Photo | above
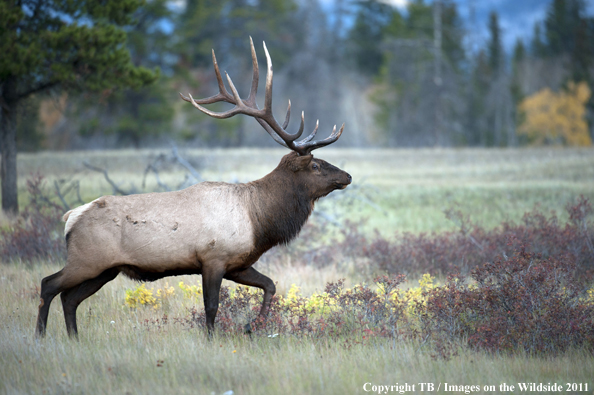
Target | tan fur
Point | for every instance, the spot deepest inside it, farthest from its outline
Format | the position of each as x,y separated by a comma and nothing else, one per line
161,231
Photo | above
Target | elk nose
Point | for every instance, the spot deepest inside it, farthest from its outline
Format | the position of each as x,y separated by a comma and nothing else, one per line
349,178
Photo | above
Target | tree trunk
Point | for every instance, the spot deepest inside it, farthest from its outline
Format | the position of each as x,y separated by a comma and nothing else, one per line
8,149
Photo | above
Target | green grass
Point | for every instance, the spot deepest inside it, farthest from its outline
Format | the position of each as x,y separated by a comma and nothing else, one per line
410,188
122,357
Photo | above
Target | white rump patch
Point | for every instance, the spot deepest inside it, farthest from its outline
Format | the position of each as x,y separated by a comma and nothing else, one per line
75,214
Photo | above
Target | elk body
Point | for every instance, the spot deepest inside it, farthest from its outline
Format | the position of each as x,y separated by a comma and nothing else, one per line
215,229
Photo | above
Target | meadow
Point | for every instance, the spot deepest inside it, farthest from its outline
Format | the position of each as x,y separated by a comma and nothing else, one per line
152,349
409,188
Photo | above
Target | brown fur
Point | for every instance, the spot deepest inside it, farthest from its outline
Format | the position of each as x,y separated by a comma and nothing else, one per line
217,230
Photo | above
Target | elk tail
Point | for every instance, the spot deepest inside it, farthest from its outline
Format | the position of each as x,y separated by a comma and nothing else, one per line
65,217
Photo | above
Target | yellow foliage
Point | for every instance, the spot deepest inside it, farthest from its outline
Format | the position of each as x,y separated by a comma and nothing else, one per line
141,296
320,303
191,291
416,294
590,297
557,118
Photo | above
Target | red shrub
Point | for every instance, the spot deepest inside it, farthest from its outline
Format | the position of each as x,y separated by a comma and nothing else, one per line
524,302
472,245
38,231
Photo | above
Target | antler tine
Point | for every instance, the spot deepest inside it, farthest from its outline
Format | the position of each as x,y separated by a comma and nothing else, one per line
288,116
223,95
219,115
305,149
312,134
269,118
251,100
268,89
222,90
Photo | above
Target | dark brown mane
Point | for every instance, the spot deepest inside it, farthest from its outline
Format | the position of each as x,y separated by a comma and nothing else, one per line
282,208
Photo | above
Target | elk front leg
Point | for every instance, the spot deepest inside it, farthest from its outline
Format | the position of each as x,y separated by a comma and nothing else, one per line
254,278
211,286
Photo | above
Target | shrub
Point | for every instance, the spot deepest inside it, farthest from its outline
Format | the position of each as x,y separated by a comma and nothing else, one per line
524,302
472,245
37,233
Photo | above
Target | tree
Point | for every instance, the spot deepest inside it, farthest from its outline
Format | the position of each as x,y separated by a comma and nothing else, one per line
367,34
562,24
224,25
557,118
57,44
134,115
413,109
518,63
495,48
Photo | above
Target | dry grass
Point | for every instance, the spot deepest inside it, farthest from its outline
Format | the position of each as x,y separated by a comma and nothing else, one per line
123,356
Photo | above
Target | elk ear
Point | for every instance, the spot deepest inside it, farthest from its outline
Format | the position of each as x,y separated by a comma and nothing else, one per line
300,162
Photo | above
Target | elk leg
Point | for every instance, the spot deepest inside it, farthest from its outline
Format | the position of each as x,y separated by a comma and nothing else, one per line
211,286
50,287
254,278
72,297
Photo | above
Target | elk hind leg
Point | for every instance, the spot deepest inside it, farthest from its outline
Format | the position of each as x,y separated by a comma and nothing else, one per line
254,278
50,287
74,296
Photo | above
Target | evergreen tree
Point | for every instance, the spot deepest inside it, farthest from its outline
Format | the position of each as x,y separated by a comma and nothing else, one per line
367,34
570,33
562,24
495,49
225,25
537,46
135,114
411,106
55,44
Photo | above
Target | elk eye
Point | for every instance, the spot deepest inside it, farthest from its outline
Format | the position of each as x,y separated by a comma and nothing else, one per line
314,166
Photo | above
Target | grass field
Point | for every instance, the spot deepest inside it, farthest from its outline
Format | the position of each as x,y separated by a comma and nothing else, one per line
409,188
396,190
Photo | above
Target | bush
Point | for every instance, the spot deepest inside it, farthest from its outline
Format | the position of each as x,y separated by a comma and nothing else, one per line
472,245
464,249
37,233
524,302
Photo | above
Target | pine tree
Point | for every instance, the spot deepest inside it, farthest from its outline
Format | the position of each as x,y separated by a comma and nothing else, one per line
367,34
495,49
54,44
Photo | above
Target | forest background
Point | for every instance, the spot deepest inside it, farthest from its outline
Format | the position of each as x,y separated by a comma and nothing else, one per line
413,76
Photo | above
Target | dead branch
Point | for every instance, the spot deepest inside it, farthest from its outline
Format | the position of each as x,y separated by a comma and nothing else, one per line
197,177
115,187
60,196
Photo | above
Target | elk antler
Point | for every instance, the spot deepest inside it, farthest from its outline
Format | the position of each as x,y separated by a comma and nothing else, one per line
263,116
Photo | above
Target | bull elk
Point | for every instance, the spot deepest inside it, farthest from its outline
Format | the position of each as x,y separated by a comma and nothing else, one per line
215,229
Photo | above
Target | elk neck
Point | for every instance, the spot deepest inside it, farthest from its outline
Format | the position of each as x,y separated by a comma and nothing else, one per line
279,207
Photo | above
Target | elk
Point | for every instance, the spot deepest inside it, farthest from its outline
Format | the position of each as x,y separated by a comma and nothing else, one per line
215,229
